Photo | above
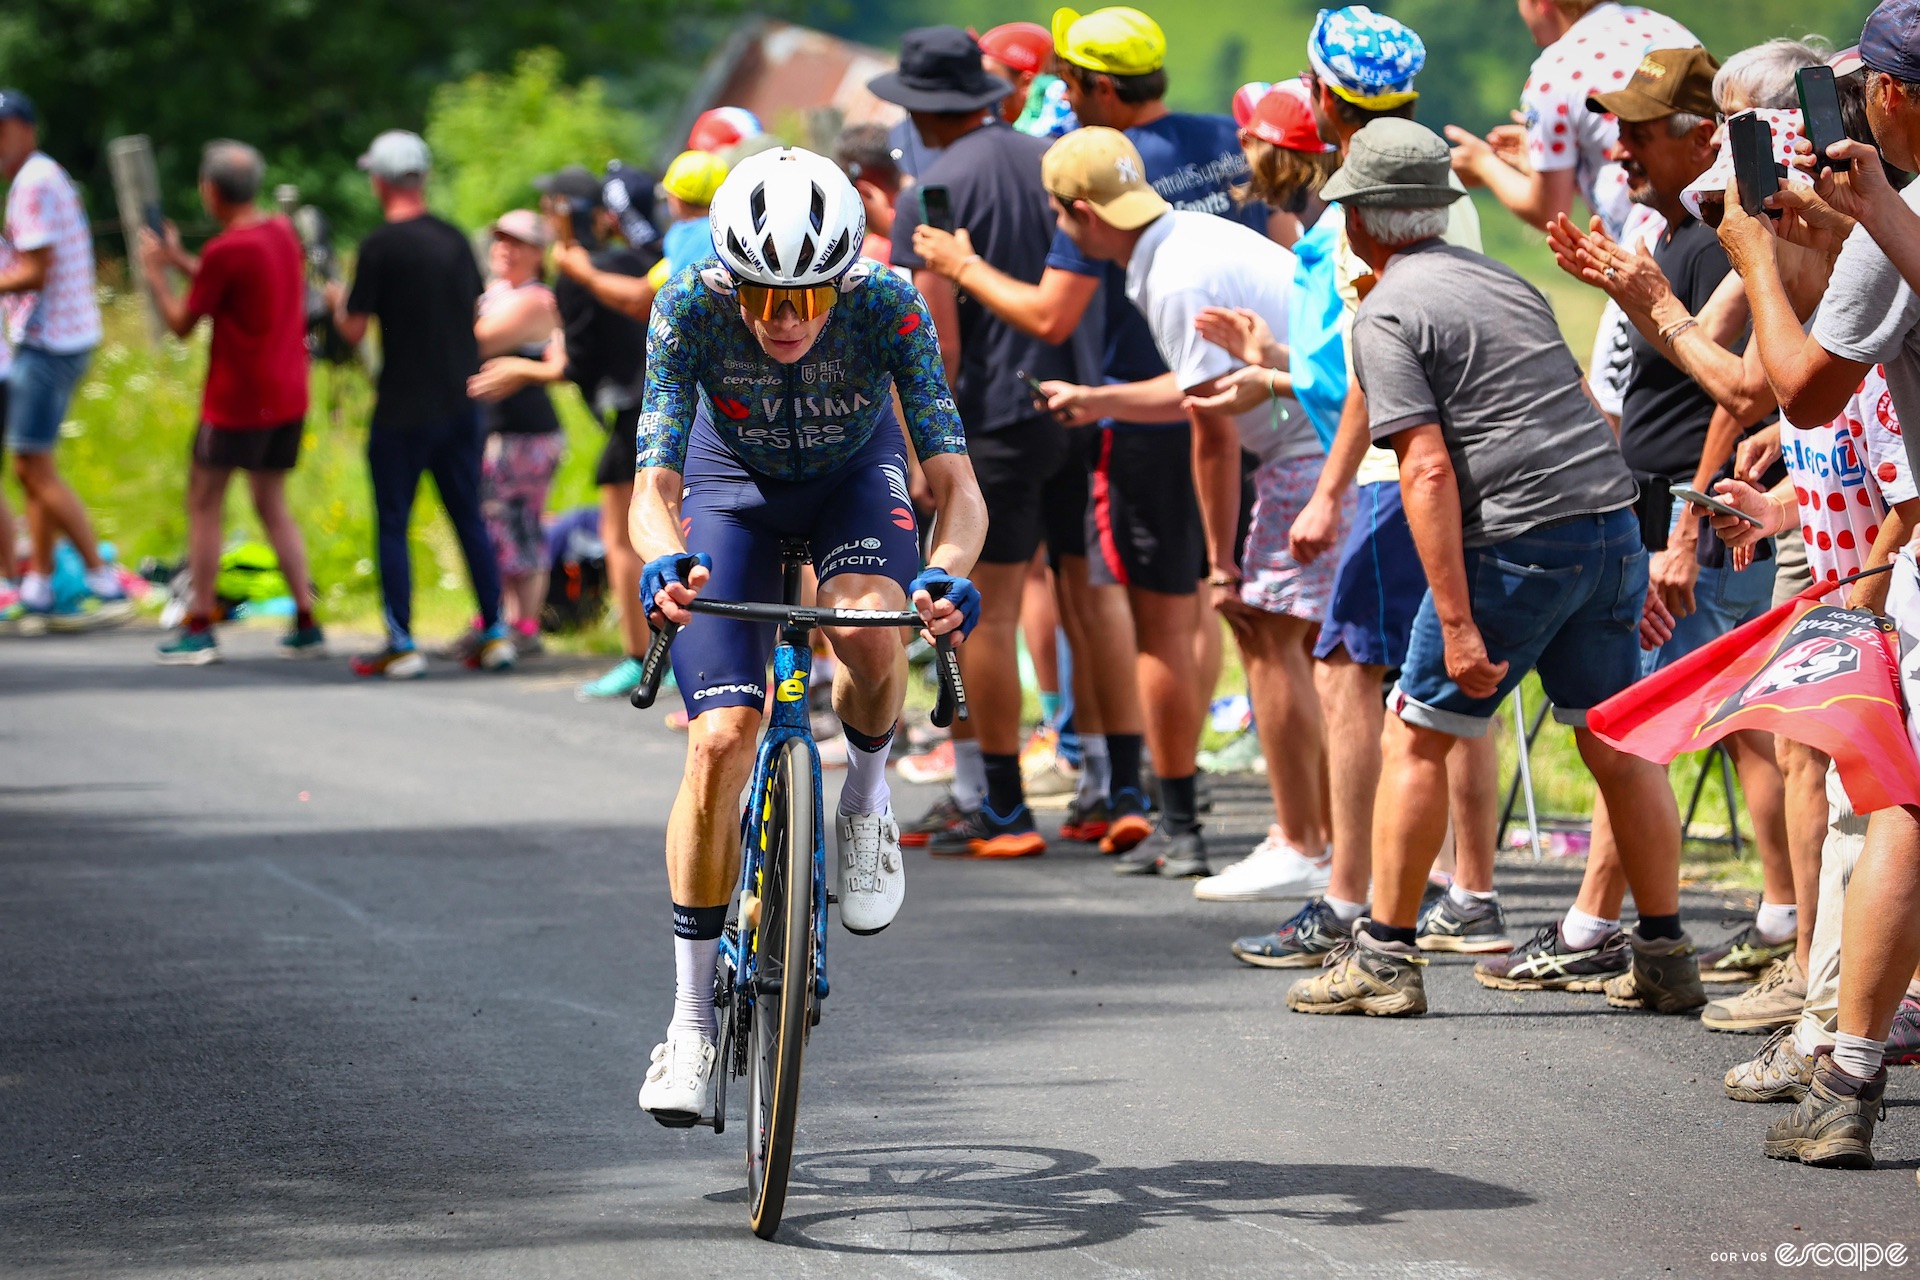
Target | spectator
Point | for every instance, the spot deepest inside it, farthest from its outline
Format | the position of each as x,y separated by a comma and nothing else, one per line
1033,479
1287,161
1018,52
416,274
250,280
46,282
864,156
1177,263
690,182
1521,509
519,318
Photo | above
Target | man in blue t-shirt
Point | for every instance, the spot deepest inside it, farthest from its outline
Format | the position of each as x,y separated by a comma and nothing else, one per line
1143,518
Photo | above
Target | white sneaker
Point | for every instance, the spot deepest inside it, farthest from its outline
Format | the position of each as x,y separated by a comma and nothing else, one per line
679,1087
873,880
1274,870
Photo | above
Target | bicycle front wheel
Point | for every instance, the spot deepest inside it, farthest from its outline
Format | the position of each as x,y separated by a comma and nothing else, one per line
783,986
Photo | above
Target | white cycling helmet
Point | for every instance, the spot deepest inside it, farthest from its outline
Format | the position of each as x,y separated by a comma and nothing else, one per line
787,219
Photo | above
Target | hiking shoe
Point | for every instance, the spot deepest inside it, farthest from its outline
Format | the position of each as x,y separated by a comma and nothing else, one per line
678,1090
91,614
1744,957
1903,1042
1086,821
1665,977
873,881
1778,1073
1273,872
932,765
1832,1125
1475,929
304,642
1545,962
1241,755
1127,822
1303,942
1364,975
1164,853
945,813
390,663
982,834
189,649
1774,1001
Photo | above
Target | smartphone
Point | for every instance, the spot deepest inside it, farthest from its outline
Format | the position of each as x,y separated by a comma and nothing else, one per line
156,221
936,207
1820,108
1712,504
1753,167
1039,395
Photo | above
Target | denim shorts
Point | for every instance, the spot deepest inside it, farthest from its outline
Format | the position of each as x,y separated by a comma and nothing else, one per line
42,387
1722,600
1564,600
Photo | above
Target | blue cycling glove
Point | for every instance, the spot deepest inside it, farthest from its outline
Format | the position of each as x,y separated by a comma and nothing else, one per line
941,585
663,571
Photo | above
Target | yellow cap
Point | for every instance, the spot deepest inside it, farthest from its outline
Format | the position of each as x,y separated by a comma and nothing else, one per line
1102,167
1119,42
694,176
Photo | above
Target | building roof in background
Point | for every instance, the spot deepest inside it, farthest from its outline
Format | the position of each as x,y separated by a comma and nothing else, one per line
775,69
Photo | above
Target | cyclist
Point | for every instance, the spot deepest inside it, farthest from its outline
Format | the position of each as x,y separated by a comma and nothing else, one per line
768,414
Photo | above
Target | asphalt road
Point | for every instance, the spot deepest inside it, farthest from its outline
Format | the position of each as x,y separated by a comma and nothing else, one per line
301,977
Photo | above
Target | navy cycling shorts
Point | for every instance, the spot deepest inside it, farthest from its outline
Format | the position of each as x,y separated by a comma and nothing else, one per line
857,519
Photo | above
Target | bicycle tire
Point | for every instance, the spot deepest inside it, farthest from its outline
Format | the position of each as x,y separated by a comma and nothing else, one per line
778,1034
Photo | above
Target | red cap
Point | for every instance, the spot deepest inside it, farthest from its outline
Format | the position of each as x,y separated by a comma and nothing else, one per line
1024,46
1283,118
1246,98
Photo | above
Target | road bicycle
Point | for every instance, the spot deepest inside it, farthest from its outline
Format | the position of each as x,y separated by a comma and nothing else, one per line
772,972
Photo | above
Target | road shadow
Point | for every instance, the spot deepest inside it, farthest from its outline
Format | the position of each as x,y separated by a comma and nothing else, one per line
1009,1199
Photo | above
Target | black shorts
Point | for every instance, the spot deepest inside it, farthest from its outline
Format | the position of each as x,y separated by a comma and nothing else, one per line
1033,476
617,460
264,449
1143,520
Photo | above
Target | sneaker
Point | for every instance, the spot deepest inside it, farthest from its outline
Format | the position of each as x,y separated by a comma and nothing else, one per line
92,614
1475,930
945,813
1546,963
304,642
465,647
1833,1124
18,620
618,682
873,881
1086,821
1127,822
1903,1042
1043,771
1778,1073
527,644
1273,872
678,1090
1364,975
1775,1001
932,765
1241,755
496,652
189,649
1742,958
391,663
982,835
1166,854
1664,977
1303,942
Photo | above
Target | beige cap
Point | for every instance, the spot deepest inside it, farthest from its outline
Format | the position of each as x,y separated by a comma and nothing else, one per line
523,225
1102,167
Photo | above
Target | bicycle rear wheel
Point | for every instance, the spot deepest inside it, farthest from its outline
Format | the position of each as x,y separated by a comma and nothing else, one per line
783,987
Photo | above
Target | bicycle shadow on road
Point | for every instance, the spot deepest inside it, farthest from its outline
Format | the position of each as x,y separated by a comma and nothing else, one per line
1009,1199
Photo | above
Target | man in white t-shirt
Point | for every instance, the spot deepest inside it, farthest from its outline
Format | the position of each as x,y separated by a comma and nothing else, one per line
1178,263
46,284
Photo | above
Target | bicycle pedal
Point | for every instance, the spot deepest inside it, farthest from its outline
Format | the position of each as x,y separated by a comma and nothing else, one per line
833,898
678,1119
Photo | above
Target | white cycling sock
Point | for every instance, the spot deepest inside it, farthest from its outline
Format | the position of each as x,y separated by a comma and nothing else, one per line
1776,923
1465,898
1858,1056
969,775
693,961
1913,988
1096,769
1582,930
1347,912
865,790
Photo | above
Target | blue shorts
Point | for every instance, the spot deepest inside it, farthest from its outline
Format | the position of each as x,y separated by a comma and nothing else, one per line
1564,600
857,519
1379,585
42,388
1722,600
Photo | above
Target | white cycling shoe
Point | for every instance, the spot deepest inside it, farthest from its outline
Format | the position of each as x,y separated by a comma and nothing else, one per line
873,879
678,1091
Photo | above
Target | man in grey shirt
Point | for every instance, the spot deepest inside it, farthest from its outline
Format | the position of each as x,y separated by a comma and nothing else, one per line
1520,507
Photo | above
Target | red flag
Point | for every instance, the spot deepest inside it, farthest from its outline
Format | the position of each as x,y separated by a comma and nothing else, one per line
1809,672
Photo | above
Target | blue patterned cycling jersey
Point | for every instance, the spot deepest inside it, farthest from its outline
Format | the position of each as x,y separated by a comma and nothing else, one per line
792,421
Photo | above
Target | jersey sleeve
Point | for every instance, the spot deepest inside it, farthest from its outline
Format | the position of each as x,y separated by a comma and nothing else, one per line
1885,450
1549,109
33,211
672,395
933,422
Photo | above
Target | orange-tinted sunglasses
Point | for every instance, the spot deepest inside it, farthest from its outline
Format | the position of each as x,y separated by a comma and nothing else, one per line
763,302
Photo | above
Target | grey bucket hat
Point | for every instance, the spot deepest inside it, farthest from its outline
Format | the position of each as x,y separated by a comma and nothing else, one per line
1395,164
